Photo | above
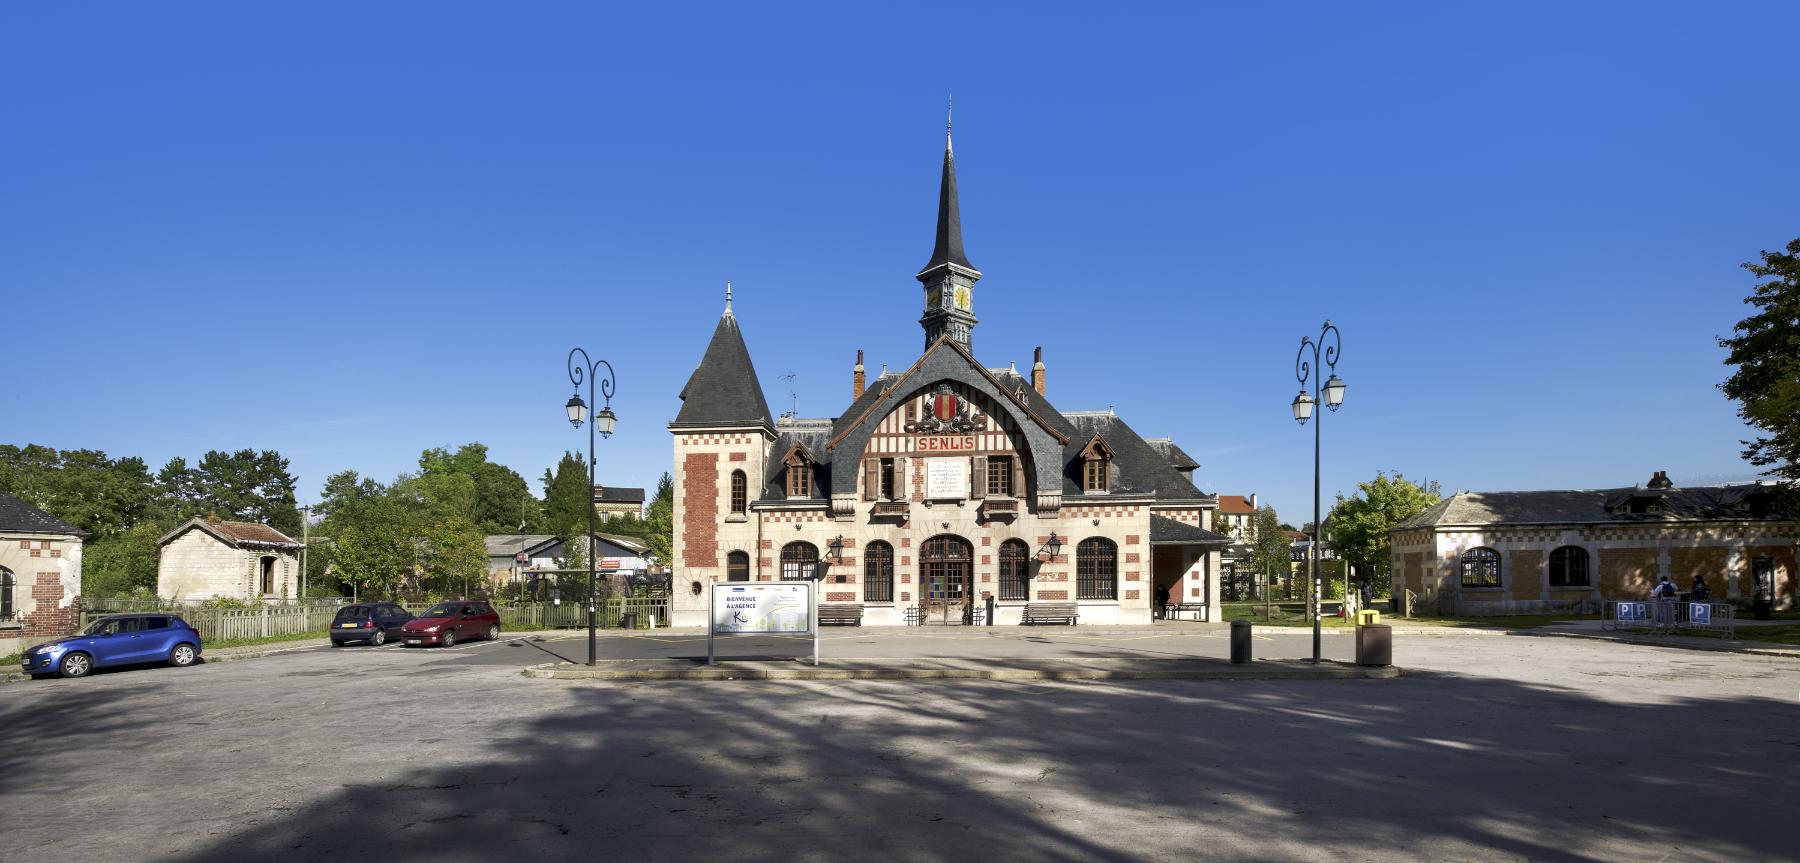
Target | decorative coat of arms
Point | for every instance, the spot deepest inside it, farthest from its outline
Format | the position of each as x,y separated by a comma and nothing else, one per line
947,413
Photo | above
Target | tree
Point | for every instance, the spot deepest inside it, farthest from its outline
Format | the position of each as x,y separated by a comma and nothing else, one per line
85,488
567,498
246,485
1766,352
659,523
375,550
123,564
1359,525
1269,546
501,497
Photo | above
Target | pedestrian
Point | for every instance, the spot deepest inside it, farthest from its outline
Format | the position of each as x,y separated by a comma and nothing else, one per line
1664,594
1162,602
1368,594
1664,589
1699,592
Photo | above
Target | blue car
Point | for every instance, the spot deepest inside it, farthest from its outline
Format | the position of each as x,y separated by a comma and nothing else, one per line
114,640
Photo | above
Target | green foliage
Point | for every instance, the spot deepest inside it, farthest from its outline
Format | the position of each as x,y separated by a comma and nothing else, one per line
1270,549
567,498
85,488
375,550
246,485
500,499
113,566
1359,525
1766,352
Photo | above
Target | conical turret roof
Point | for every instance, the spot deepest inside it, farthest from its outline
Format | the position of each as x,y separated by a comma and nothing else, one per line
723,389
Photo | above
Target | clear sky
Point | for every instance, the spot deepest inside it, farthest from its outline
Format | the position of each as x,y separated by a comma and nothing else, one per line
351,231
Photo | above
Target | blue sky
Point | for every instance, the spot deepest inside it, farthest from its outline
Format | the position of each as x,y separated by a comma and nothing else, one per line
353,231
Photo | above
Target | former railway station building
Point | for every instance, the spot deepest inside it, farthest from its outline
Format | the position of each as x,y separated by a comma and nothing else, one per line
937,486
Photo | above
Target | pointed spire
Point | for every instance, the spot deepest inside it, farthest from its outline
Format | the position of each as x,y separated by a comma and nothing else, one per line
728,297
949,246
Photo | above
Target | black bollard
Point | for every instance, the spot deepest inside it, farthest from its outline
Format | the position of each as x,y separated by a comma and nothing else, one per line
990,609
1240,642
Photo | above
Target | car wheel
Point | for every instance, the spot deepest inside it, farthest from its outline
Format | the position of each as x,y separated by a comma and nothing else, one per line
449,637
494,632
379,638
183,655
75,665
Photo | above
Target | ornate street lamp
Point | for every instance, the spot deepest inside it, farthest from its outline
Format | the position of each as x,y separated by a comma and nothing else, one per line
589,371
836,549
1303,411
1050,549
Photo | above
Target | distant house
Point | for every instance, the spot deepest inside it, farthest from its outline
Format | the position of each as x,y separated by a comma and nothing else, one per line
612,501
1237,519
40,575
1511,552
206,558
618,558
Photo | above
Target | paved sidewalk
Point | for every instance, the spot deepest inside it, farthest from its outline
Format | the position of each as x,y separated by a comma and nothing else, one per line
1065,668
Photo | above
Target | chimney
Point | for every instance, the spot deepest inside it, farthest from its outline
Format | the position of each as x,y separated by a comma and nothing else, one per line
1037,369
1253,500
1660,479
859,379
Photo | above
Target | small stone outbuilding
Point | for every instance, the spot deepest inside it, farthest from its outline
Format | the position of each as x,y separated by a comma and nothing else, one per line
208,558
40,575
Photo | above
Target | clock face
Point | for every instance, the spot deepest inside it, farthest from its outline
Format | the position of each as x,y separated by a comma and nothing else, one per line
962,298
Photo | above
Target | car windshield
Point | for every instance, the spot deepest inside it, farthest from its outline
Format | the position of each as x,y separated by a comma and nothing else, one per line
443,609
354,612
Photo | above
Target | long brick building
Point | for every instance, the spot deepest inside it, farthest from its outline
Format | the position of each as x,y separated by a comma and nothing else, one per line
937,486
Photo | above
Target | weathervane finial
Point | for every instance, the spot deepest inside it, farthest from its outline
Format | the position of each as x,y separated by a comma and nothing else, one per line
949,111
728,296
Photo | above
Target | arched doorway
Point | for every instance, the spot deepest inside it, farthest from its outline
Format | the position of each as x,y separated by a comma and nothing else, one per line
946,579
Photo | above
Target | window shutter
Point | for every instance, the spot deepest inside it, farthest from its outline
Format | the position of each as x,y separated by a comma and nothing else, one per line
871,478
1018,483
978,470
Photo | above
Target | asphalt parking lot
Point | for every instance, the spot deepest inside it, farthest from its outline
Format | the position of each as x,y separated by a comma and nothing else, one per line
1492,747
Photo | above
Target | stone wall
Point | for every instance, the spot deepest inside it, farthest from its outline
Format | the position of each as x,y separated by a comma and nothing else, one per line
1627,572
196,565
46,572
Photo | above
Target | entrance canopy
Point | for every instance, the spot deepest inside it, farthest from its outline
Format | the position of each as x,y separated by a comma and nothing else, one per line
1168,531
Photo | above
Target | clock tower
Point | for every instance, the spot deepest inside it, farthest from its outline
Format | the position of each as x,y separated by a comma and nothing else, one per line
949,278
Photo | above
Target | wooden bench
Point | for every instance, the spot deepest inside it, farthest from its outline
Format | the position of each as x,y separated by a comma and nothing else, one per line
840,615
1037,613
1173,609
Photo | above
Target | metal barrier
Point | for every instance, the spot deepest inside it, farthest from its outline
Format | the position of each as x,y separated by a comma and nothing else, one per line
1670,615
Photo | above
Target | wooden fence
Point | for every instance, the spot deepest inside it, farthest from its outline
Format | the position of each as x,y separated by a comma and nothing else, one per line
273,619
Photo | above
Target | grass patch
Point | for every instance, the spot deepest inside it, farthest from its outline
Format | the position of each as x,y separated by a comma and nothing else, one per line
6,661
273,639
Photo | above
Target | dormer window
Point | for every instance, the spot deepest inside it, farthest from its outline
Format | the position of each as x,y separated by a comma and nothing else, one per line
1096,467
799,464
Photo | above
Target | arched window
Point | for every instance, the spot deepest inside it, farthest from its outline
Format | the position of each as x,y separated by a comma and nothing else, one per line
740,492
1481,568
1569,567
6,594
878,572
737,566
799,560
1015,560
1096,569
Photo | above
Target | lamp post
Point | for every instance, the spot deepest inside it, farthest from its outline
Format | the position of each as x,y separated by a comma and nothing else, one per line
1332,391
589,370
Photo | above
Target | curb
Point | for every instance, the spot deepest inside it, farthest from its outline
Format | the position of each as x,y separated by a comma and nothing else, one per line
1723,646
686,671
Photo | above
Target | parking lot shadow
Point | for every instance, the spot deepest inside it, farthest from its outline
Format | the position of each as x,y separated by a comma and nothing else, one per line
1439,768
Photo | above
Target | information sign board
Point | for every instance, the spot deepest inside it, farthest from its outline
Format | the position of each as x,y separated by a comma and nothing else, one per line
946,478
762,608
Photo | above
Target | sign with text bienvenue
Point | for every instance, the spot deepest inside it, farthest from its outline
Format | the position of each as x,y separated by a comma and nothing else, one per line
946,478
945,443
779,607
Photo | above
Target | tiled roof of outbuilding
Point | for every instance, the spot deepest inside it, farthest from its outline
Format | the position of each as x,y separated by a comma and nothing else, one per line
1235,504
1168,531
17,516
234,533
1584,506
618,494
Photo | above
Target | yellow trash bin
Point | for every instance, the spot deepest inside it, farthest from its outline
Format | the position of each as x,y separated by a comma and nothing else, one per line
1368,617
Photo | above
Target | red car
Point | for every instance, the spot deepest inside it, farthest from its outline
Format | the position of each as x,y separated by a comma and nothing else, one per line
449,622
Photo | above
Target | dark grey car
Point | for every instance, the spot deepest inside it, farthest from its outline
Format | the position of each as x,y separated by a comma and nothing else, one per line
370,622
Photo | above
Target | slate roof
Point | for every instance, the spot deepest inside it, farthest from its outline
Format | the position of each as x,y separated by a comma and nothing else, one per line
507,545
618,494
234,533
1584,506
1172,454
724,391
1141,469
17,516
949,246
809,433
1168,531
